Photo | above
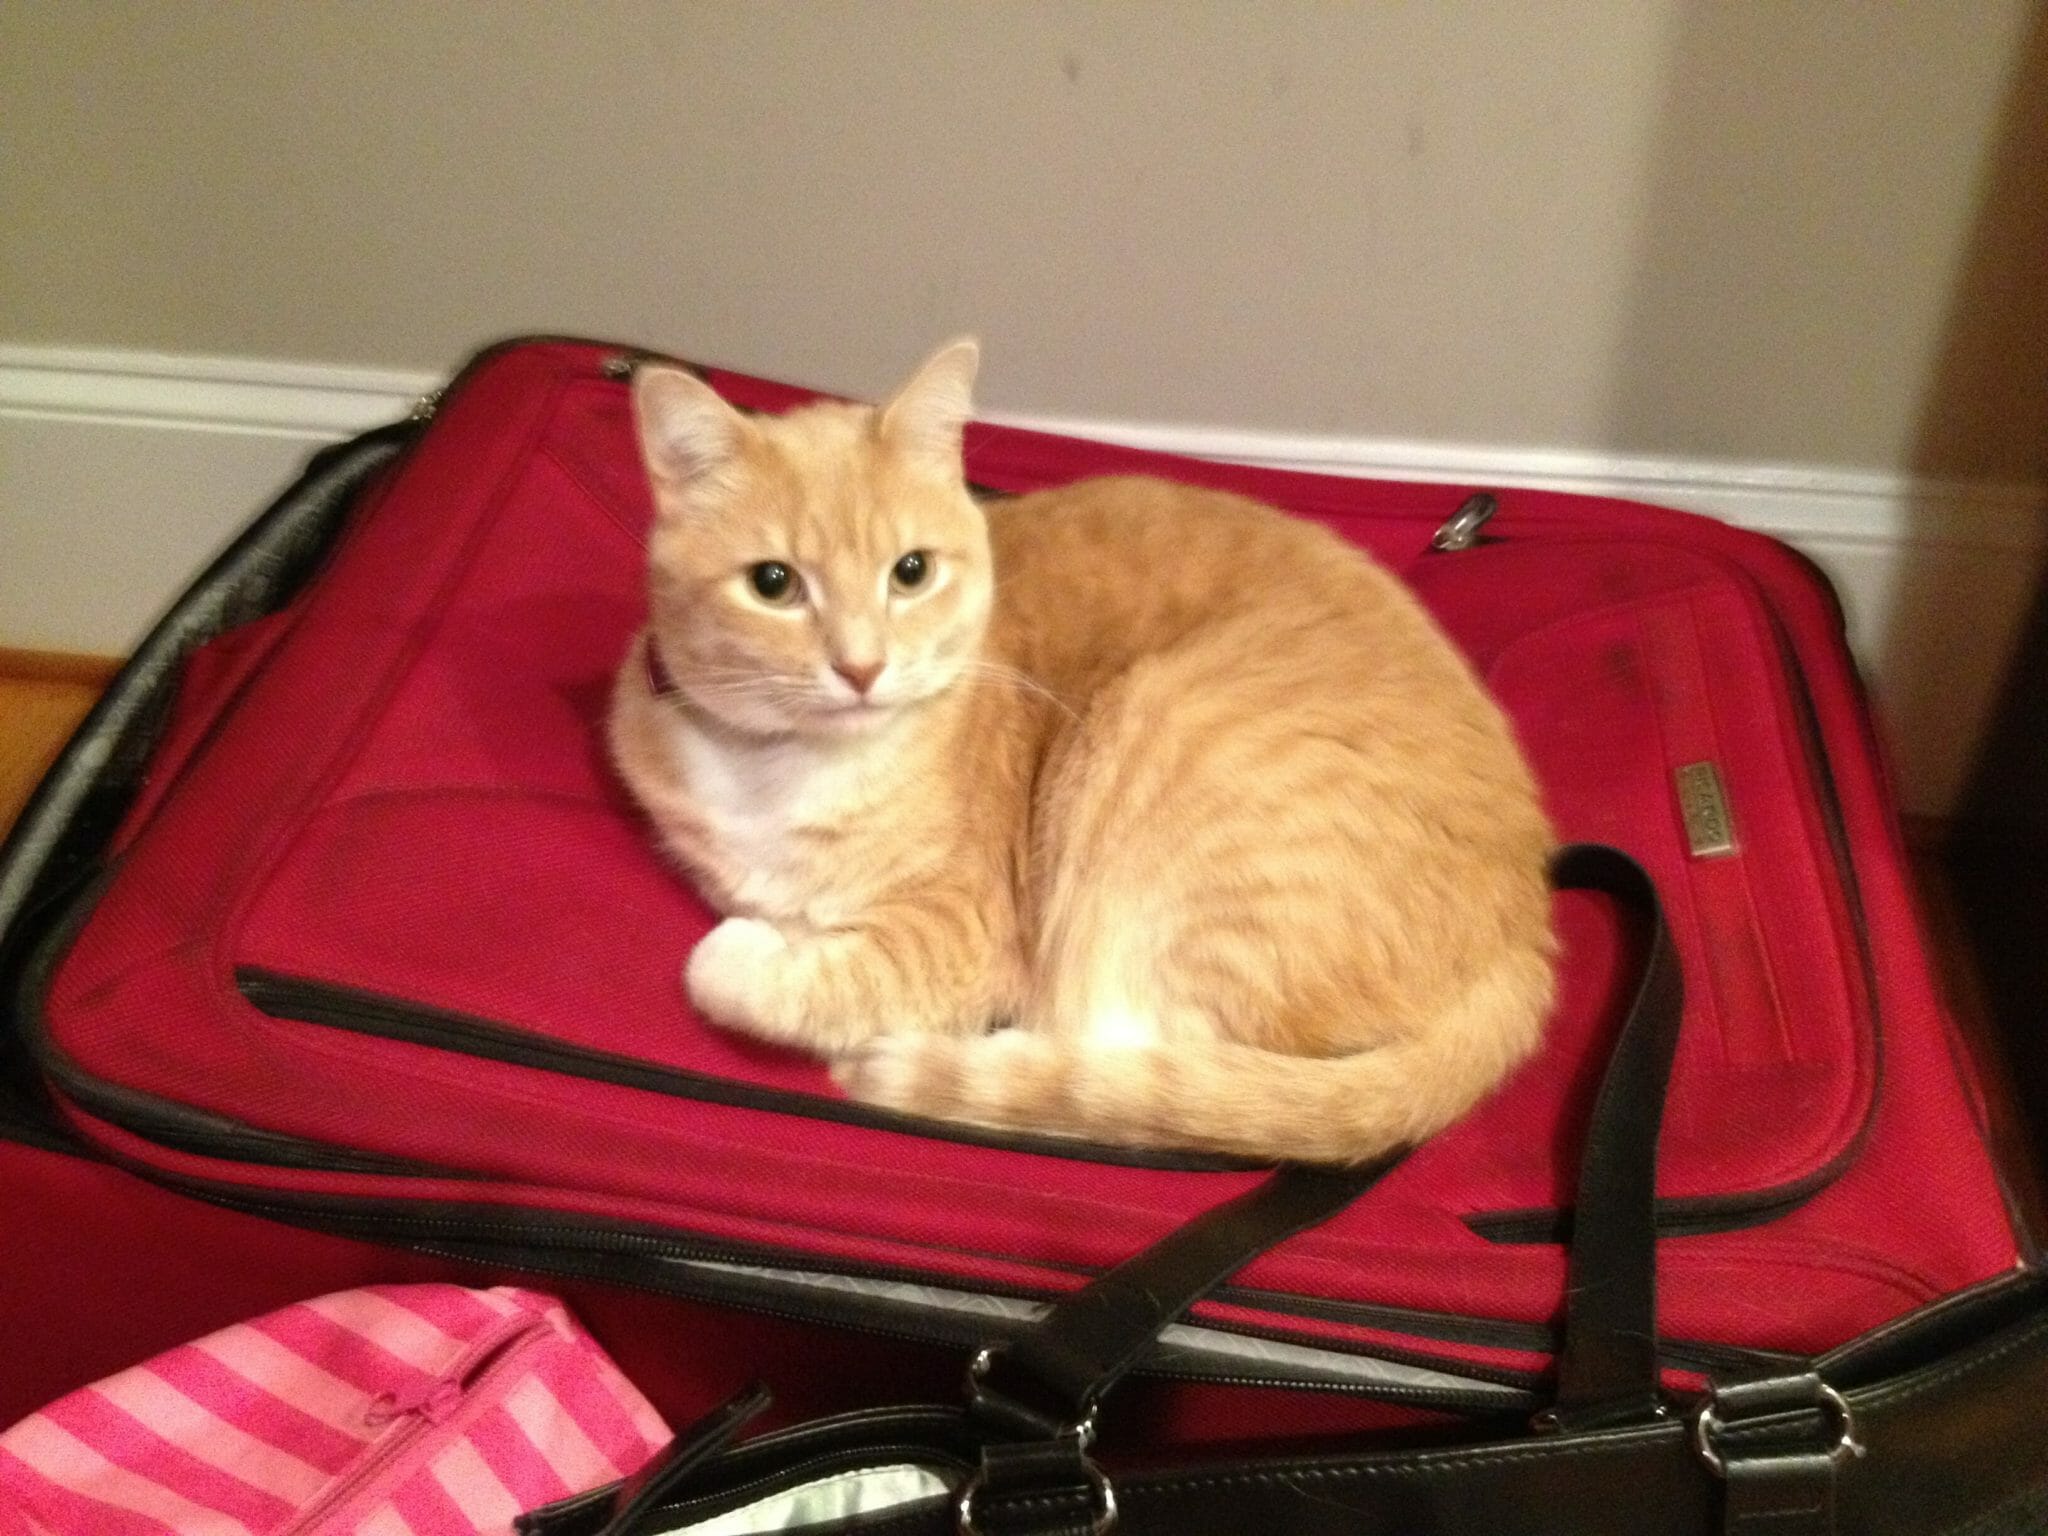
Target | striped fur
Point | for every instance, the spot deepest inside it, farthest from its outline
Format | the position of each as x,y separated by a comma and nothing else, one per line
1191,795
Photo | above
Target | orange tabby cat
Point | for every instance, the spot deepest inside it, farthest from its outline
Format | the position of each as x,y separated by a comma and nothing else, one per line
1189,794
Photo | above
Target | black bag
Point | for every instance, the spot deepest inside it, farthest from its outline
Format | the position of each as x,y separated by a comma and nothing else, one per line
1930,1425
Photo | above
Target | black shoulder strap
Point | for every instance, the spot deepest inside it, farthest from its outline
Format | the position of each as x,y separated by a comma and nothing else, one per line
1049,1380
1607,1367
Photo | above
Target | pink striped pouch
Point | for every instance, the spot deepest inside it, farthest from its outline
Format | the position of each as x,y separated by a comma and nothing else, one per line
421,1409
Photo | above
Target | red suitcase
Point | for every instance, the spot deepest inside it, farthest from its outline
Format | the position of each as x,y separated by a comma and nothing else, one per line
362,934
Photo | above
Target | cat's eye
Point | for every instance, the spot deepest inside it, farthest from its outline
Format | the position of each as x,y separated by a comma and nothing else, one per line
909,573
774,582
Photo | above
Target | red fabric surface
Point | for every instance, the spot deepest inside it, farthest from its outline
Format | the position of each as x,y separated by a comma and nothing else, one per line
409,796
106,1270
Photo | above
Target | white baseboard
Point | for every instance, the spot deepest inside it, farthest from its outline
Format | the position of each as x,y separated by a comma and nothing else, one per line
238,396
1788,501
121,473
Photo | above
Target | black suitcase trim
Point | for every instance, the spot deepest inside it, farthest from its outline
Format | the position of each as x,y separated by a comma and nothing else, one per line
55,849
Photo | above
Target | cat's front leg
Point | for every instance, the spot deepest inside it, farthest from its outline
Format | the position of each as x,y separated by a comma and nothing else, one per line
737,976
827,993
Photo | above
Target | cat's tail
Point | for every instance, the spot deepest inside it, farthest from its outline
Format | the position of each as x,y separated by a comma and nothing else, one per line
1201,1095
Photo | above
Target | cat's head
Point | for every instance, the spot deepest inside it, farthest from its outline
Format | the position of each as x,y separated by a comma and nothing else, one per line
816,572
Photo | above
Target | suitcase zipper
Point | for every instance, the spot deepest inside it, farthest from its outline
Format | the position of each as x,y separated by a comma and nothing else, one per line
1491,1392
548,1250
330,1005
181,1128
1462,529
541,1250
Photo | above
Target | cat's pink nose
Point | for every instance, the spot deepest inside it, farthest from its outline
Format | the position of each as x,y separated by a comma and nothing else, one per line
861,674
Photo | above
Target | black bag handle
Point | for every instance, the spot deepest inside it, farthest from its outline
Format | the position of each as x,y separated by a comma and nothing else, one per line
1049,1380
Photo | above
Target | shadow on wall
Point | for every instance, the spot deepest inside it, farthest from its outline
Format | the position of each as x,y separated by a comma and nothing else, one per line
1985,412
1812,178
1818,186
1992,385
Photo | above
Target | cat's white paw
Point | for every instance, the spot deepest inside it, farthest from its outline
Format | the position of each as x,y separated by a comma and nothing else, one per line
734,976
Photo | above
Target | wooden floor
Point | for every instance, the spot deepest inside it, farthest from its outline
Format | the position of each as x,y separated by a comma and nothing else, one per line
43,696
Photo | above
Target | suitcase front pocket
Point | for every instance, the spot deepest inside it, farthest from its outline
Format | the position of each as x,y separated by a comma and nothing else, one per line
1654,691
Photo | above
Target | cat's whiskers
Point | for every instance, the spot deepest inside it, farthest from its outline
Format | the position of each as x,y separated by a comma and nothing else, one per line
994,673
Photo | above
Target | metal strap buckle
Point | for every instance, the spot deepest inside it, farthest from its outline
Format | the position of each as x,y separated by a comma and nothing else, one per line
1104,1494
1036,1427
979,1391
1707,1427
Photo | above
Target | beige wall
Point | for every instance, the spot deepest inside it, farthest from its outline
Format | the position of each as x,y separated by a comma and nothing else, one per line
1799,231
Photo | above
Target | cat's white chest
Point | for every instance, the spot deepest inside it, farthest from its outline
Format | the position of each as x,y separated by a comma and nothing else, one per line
765,808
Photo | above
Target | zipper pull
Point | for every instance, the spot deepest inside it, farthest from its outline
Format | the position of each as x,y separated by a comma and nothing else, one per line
437,1399
433,1403
1462,531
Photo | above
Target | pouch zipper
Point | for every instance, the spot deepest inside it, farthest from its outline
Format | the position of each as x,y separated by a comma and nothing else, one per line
463,1386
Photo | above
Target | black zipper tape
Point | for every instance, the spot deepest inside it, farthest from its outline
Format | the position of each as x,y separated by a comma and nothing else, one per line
330,1005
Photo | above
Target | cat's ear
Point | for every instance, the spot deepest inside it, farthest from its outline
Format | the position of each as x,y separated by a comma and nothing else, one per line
686,430
927,415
